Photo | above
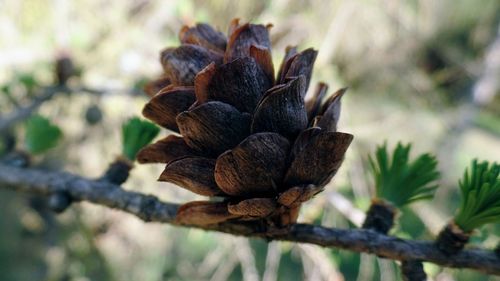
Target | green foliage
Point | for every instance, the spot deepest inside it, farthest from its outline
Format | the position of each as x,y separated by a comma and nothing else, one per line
5,89
480,190
401,181
28,80
139,85
41,135
136,134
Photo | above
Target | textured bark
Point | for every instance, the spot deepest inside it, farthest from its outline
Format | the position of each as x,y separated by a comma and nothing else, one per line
150,208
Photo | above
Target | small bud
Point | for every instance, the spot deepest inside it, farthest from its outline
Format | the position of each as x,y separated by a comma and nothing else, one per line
65,69
118,172
93,115
452,239
8,142
59,201
413,271
380,216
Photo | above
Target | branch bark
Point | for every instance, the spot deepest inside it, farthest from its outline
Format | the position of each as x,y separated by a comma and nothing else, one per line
150,209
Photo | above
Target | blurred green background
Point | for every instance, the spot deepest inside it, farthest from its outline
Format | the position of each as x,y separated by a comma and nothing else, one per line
420,71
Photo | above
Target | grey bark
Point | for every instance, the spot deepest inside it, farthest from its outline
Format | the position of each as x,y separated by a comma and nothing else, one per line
150,209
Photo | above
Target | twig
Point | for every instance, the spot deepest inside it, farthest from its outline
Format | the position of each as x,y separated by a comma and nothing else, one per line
108,91
22,113
150,208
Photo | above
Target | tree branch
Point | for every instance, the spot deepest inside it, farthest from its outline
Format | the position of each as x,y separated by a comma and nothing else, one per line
150,208
22,113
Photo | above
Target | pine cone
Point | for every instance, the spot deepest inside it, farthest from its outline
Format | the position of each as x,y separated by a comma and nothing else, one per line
246,136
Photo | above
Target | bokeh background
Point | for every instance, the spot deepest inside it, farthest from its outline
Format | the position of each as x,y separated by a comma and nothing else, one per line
419,71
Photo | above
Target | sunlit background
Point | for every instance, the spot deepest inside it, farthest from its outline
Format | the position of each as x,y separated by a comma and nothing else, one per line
419,71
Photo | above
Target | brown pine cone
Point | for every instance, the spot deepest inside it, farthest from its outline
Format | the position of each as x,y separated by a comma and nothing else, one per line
246,136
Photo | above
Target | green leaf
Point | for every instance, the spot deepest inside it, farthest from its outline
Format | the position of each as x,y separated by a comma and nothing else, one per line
41,135
400,180
136,134
480,191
